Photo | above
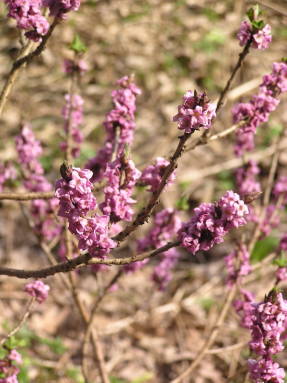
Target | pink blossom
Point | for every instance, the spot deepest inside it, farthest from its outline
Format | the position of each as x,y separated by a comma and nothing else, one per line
283,243
152,174
75,194
29,149
257,111
14,355
27,14
7,173
59,8
266,370
119,125
72,66
212,221
237,264
261,39
246,178
281,273
76,202
195,112
122,176
38,289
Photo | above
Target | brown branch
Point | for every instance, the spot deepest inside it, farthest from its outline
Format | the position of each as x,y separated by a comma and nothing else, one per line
241,58
20,62
212,336
21,322
26,196
146,211
91,322
81,260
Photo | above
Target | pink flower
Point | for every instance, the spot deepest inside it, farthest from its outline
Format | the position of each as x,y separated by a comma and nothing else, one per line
71,66
257,111
152,174
14,355
194,113
260,40
27,14
119,125
237,264
38,290
212,221
122,176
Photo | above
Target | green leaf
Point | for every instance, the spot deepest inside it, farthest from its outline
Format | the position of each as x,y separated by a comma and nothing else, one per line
206,303
56,345
75,374
263,248
253,13
281,262
182,203
77,45
258,24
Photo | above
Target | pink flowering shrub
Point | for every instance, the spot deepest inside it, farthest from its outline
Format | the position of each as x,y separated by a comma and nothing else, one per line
86,209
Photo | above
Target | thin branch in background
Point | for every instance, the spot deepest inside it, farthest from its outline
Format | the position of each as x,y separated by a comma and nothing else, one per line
241,58
212,336
25,58
22,321
91,322
146,211
26,196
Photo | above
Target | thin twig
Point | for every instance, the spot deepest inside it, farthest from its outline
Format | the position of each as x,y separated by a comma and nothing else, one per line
95,340
26,196
212,336
242,56
146,211
21,61
91,321
21,322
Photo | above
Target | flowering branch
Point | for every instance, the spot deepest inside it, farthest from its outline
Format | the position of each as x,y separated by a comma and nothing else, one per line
84,259
241,58
146,211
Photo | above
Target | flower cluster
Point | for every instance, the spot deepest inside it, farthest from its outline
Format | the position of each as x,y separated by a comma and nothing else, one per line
259,38
74,191
73,116
59,8
28,15
195,112
121,176
245,308
166,224
29,149
72,66
212,221
237,264
7,172
119,125
38,290
152,174
257,111
246,178
8,370
268,324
